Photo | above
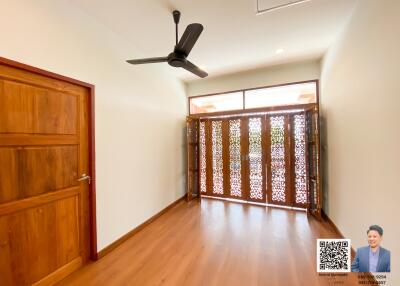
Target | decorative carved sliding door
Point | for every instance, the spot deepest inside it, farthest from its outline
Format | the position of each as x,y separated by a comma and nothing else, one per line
299,158
279,164
192,141
231,158
254,159
261,158
220,158
236,169
313,148
287,169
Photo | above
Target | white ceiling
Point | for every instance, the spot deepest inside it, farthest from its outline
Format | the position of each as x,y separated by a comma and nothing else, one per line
234,38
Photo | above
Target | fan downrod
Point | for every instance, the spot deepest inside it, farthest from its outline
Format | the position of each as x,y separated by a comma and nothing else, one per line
177,16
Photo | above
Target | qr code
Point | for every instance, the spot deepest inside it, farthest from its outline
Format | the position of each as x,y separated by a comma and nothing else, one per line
333,255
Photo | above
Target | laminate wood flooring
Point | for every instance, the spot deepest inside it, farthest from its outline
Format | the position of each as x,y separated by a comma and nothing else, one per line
218,243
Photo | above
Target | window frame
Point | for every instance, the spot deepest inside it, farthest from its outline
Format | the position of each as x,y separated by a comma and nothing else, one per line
259,109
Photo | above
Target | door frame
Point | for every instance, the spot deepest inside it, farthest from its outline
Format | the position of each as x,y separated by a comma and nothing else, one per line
91,143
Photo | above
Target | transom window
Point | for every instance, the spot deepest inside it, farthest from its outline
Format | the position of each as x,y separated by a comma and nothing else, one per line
255,98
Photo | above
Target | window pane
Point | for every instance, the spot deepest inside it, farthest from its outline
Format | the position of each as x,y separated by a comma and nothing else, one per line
303,93
215,103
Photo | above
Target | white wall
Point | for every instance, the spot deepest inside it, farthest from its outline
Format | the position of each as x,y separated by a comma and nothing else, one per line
278,74
360,91
140,111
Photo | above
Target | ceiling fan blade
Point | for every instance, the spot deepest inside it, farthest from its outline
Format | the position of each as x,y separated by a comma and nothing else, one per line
148,61
194,69
189,38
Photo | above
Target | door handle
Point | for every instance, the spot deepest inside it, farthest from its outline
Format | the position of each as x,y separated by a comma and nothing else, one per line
84,177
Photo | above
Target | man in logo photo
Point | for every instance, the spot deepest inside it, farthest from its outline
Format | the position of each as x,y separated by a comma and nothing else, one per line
372,258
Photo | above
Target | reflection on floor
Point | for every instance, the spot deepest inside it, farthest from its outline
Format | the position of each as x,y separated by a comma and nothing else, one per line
217,243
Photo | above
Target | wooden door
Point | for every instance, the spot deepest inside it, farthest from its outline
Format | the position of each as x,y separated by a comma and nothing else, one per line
287,173
278,176
298,160
313,160
215,151
232,160
213,160
44,208
192,147
235,162
253,157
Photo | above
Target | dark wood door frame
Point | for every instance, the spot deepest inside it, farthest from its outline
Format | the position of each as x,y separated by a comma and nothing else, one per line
91,143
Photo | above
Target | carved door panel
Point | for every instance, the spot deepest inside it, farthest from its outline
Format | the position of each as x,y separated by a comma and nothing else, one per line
259,158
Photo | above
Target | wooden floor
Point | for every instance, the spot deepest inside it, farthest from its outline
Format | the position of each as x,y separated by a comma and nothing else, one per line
217,243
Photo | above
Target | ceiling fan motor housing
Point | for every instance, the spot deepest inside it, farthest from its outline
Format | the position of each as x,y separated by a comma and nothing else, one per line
176,59
181,51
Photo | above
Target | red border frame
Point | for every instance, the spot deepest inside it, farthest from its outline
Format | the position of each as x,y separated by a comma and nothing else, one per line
91,137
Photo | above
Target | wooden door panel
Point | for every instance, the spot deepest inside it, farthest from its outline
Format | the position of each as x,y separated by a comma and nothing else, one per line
235,159
6,271
244,146
16,107
299,159
30,109
255,159
202,158
27,172
67,230
313,158
9,175
225,158
56,112
279,168
267,153
209,158
33,233
217,158
47,169
192,148
288,163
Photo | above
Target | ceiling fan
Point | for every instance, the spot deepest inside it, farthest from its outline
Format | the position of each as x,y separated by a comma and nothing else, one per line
182,49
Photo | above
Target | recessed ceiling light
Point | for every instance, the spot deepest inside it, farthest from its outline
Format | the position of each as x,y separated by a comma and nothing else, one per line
279,51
